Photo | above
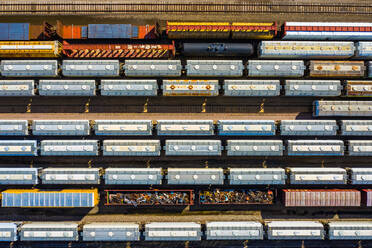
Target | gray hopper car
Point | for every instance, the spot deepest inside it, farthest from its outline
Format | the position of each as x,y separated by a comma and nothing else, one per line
136,176
123,127
152,68
276,68
214,68
356,127
131,148
185,127
67,87
234,230
256,176
13,128
193,147
10,176
17,87
361,175
29,68
61,127
254,148
111,231
69,148
172,231
295,230
49,231
360,147
90,68
195,176
350,230
252,87
305,175
313,88
70,176
308,127
129,87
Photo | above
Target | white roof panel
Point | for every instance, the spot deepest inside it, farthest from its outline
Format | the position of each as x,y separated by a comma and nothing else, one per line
294,224
173,225
234,224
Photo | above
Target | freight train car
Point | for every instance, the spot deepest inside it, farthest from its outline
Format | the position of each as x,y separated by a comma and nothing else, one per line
8,232
246,127
61,127
148,87
315,148
152,68
255,176
173,231
251,87
136,176
367,197
214,68
254,148
306,175
70,176
361,175
313,87
13,128
234,230
253,30
358,88
29,68
360,147
185,127
30,49
364,49
276,68
325,68
123,127
195,176
67,87
190,88
18,148
198,30
131,148
9,176
35,198
69,148
342,108
295,230
49,231
305,49
193,148
90,68
111,231
25,31
236,197
308,127
17,88
349,230
327,31
217,49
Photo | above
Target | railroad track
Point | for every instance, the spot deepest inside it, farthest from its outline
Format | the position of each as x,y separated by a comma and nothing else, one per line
57,7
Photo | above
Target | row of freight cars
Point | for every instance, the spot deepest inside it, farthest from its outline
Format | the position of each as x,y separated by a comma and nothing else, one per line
185,127
185,147
190,30
150,87
186,176
186,231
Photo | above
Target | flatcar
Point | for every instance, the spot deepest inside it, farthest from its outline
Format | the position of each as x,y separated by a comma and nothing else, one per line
49,231
342,108
305,49
361,175
29,68
69,148
326,68
70,176
123,127
195,176
308,127
17,88
90,68
307,175
171,231
292,230
251,87
358,88
135,87
315,148
276,68
360,147
190,88
185,127
255,176
214,68
136,176
131,148
246,127
18,148
327,31
217,49
349,230
9,176
313,87
30,49
254,148
234,230
67,87
61,127
13,128
111,231
152,68
193,148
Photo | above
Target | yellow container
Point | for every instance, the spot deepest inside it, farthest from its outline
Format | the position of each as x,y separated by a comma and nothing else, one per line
30,49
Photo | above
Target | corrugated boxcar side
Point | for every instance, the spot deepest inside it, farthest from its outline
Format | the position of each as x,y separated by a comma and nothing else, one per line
367,197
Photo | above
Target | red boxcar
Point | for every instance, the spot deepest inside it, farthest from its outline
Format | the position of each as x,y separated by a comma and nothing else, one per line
367,197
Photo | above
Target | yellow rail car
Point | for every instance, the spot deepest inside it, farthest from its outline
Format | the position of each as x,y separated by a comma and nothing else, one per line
249,30
30,49
198,30
36,198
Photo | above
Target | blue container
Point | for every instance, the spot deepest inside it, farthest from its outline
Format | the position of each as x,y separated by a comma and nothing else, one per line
111,31
14,31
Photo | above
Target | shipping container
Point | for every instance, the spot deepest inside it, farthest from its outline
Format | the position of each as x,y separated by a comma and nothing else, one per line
305,49
255,176
30,49
172,231
276,68
13,127
348,230
313,87
327,31
308,127
217,49
236,197
123,127
315,148
36,198
193,148
70,176
137,176
360,147
254,30
322,198
49,231
67,87
61,127
152,68
367,197
358,88
190,88
254,148
9,176
234,230
198,30
69,148
14,31
361,175
330,68
120,51
135,87
131,147
111,231
356,127
151,197
185,127
18,148
311,175
17,88
364,49
342,108
90,68
246,127
195,176
252,87
298,230
8,232
29,68
214,68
